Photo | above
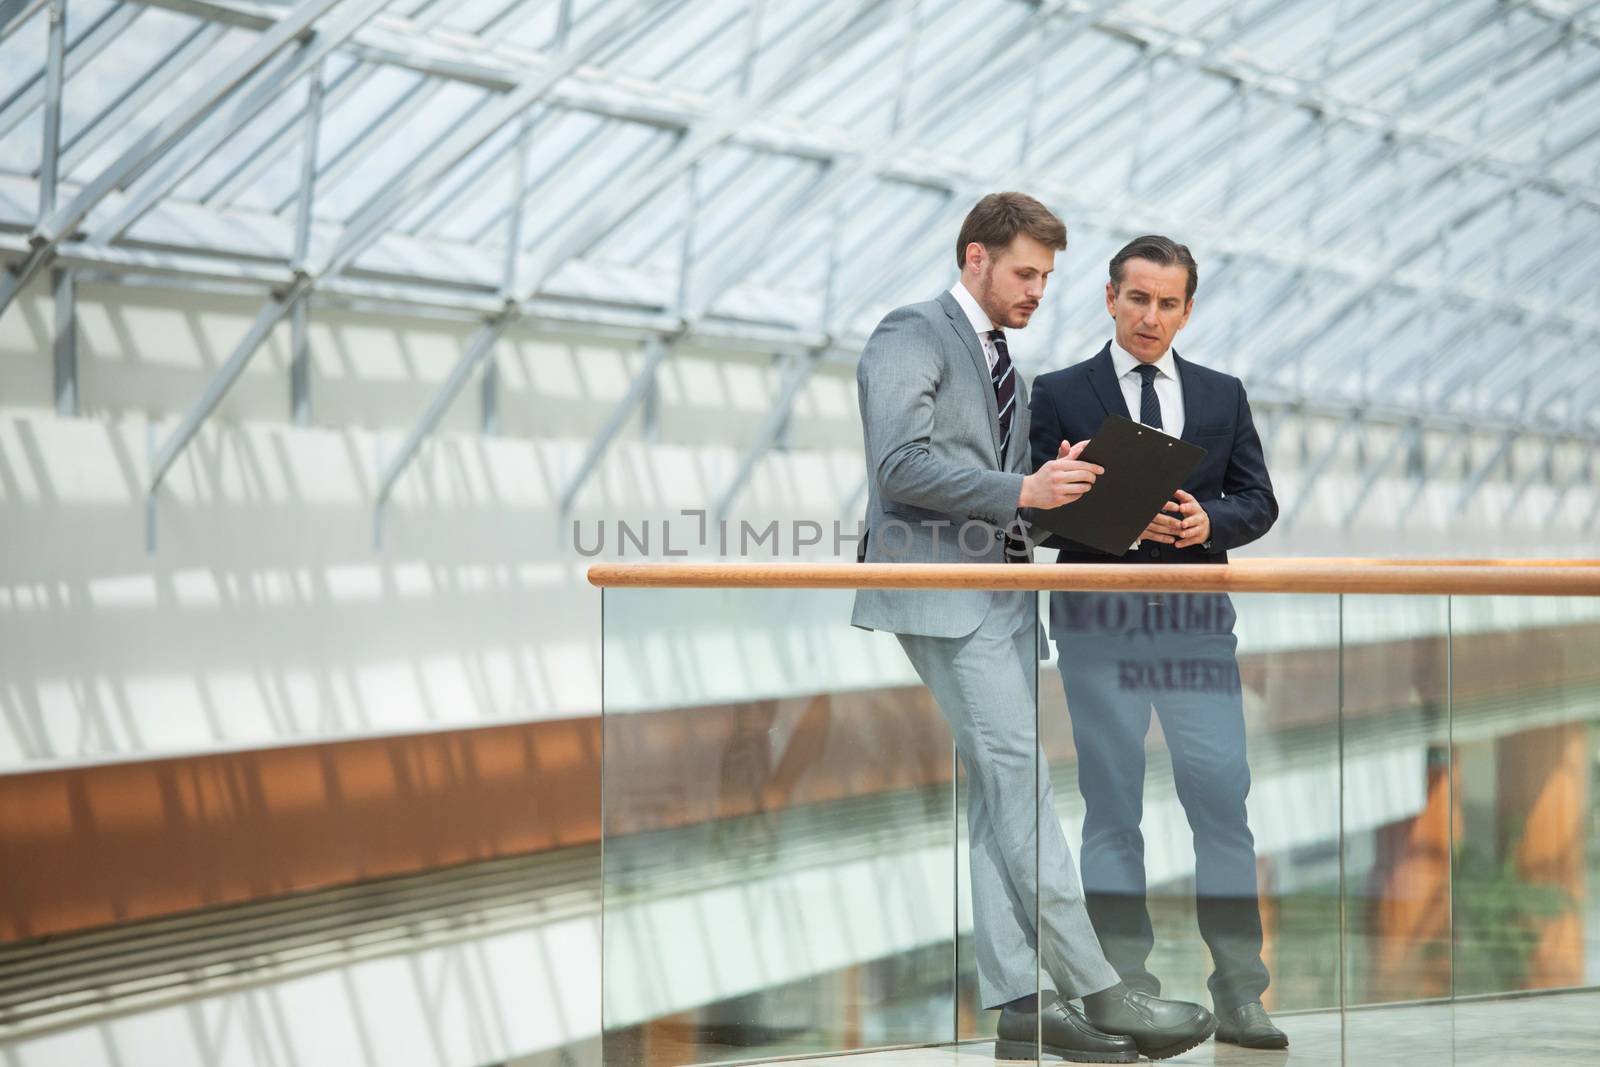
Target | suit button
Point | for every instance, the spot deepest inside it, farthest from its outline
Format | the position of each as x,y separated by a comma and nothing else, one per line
1155,553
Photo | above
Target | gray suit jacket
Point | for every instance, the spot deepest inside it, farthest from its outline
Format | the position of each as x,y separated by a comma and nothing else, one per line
933,464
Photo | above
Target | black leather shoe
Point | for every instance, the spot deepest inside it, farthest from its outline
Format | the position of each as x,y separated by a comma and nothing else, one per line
1249,1026
1160,1028
1063,1031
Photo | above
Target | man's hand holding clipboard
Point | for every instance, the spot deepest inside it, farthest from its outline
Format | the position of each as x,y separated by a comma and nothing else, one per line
1060,481
1182,523
1140,472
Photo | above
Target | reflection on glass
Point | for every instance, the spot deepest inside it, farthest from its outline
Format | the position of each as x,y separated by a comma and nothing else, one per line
1397,821
1525,676
1397,811
787,866
1202,730
778,872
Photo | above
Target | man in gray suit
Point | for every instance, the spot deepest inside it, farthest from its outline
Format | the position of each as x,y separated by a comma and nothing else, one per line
945,421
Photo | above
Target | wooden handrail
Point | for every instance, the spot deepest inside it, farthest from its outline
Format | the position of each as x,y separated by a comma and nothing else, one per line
1416,577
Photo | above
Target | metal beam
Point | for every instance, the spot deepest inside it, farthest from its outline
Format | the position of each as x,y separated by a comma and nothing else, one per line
647,177
1474,480
832,184
480,345
1426,470
656,351
300,363
1290,353
160,177
1369,478
753,12
397,41
1583,476
508,284
368,227
569,158
360,148
13,13
80,51
1285,353
686,256
168,271
366,223
489,398
178,123
941,173
216,389
154,83
50,153
65,343
280,143
174,270
64,346
805,364
1579,23
300,324
644,179
797,372
1222,59
1291,515
1545,470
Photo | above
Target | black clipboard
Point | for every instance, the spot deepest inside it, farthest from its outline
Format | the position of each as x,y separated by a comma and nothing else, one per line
1144,467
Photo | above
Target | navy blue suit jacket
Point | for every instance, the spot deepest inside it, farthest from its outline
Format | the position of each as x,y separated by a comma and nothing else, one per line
1231,482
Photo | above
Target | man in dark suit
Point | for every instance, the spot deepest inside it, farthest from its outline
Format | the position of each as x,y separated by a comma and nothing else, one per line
1123,654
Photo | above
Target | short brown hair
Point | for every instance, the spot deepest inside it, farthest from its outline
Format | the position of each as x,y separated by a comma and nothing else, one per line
1163,252
996,220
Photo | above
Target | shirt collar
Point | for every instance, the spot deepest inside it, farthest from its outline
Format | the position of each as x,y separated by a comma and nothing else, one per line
969,304
1124,361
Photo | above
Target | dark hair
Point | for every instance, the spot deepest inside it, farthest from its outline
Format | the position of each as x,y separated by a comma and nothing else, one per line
996,220
1162,251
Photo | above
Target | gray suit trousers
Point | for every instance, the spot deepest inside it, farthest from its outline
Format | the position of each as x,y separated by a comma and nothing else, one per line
986,684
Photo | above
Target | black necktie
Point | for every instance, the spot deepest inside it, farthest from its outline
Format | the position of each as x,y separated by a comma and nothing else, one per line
1005,389
1004,380
1149,403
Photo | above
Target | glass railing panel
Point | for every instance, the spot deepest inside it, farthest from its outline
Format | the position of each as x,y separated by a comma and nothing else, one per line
1193,741
780,832
1525,679
1398,807
1397,818
999,868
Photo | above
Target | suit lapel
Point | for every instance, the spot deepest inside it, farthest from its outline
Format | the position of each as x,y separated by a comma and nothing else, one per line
1103,377
963,329
1193,389
1019,426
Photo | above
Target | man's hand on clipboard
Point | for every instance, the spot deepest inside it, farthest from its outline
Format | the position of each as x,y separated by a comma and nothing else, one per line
1060,481
1183,522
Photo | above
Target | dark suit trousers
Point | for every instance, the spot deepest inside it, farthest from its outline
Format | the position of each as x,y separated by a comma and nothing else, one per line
1175,654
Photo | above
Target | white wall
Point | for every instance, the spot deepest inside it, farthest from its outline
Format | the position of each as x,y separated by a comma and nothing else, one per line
266,614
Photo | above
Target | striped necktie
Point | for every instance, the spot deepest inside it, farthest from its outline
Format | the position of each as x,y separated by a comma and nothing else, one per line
1149,403
1005,389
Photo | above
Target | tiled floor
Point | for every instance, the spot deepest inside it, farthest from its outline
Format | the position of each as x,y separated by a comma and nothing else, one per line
1559,1030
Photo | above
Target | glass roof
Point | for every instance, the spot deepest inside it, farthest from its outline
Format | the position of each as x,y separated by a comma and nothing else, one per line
1395,204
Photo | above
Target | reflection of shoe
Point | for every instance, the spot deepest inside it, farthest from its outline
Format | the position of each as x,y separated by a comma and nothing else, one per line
1250,1026
1063,1031
1159,1028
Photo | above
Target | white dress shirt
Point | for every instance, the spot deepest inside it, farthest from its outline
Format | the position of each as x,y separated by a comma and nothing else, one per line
980,322
1169,389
